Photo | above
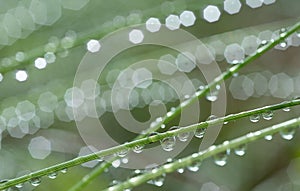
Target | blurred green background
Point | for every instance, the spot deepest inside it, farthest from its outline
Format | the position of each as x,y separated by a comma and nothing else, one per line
267,165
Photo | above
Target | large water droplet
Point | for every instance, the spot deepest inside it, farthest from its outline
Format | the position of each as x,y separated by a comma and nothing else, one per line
180,170
194,167
254,118
268,137
288,133
52,175
212,95
35,181
268,115
211,117
138,148
262,45
183,137
168,143
158,181
19,185
116,163
240,150
199,133
64,171
282,32
122,153
220,159
286,109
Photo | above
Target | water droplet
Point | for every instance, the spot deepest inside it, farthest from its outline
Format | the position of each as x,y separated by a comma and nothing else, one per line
52,175
114,182
19,185
211,117
168,143
288,133
268,115
180,170
116,163
199,133
35,181
262,45
240,150
122,153
124,160
138,148
282,32
220,159
286,109
137,172
64,171
268,137
170,113
212,95
283,44
183,137
194,167
254,118
158,181
162,126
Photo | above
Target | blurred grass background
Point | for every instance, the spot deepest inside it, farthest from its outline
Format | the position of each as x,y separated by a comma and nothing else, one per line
265,165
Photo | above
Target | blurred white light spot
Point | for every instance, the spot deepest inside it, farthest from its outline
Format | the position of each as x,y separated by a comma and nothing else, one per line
21,75
25,110
153,24
93,46
39,147
185,62
40,63
250,44
232,6
211,13
234,53
47,101
142,78
281,85
254,3
90,88
204,55
50,57
136,36
166,64
74,97
187,18
241,87
173,22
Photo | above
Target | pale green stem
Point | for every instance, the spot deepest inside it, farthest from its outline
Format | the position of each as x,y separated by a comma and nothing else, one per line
211,151
143,141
